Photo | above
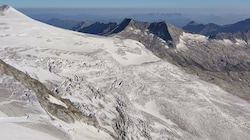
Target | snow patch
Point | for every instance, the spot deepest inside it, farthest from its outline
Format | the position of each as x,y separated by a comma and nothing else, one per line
56,101
227,42
188,38
134,53
181,45
241,42
194,37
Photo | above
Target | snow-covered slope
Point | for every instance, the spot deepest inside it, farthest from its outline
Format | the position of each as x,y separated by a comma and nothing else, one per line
127,91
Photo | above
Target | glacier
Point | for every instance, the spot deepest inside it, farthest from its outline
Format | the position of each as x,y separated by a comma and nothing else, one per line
60,84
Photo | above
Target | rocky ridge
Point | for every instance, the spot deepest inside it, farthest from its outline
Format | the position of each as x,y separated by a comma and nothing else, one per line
215,59
212,29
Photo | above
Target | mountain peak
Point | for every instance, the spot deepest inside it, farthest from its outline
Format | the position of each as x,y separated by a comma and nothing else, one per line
128,22
192,23
8,11
166,31
163,30
4,8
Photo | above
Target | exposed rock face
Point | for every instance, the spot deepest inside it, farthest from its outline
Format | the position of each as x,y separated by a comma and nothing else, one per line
130,23
234,37
166,31
4,8
162,30
226,65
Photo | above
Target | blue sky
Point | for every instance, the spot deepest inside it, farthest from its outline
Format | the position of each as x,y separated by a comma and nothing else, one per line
238,4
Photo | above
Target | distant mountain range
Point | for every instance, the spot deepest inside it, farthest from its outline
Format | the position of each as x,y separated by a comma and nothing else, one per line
213,29
99,24
97,28
234,37
164,30
66,24
152,35
237,30
69,22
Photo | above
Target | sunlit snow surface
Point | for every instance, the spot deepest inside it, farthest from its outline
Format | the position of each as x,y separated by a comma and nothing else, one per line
109,77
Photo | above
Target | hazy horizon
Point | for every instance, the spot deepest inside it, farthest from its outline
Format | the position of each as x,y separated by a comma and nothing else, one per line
206,16
129,4
126,11
219,12
180,6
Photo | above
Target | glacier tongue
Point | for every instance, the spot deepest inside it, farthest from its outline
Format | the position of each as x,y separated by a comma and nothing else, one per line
127,91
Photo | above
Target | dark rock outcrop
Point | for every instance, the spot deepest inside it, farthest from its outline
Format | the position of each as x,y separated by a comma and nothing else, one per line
244,36
130,23
163,30
4,8
212,29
